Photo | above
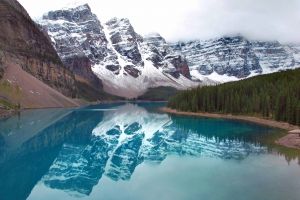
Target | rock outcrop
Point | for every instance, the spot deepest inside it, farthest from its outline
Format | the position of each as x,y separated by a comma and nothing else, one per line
125,40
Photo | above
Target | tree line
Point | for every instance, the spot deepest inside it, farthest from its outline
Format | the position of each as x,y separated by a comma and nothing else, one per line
275,96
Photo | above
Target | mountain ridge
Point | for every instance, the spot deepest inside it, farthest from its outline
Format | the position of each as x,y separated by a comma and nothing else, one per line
236,57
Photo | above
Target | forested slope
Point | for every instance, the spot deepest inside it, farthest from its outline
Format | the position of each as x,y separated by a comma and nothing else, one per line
275,96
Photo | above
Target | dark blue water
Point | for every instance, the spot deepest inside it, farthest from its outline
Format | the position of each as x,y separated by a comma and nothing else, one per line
132,151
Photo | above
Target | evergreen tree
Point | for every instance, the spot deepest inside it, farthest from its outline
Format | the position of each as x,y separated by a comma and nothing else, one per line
275,96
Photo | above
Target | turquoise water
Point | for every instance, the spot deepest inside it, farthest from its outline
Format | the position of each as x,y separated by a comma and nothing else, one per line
132,151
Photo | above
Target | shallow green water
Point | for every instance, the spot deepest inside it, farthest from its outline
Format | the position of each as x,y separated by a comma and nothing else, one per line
131,151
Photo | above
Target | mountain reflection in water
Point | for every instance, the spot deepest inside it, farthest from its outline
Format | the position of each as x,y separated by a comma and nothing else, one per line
71,150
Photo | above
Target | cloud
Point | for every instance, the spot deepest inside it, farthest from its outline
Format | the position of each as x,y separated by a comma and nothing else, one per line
196,19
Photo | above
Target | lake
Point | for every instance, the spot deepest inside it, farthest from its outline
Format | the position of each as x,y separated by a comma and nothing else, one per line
131,151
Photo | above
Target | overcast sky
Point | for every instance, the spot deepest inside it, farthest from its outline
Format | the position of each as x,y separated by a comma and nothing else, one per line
195,19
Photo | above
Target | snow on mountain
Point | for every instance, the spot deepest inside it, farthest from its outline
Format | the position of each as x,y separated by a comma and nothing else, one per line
234,58
116,54
128,64
75,32
272,56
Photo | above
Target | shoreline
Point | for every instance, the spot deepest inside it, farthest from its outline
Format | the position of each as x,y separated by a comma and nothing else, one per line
9,113
291,140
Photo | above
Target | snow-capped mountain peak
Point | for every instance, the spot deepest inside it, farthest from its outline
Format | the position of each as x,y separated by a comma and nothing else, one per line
235,57
126,63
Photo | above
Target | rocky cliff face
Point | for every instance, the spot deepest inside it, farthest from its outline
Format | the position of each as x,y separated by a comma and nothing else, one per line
233,58
162,56
22,42
127,63
80,42
274,56
125,40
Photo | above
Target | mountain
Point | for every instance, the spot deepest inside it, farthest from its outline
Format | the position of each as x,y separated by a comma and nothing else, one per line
31,71
127,63
234,58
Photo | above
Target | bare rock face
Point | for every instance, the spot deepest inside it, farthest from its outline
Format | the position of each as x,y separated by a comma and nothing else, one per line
113,68
125,40
81,67
273,55
180,65
22,41
158,51
130,69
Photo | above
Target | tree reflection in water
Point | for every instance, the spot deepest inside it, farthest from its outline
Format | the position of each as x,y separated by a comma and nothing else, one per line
71,150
